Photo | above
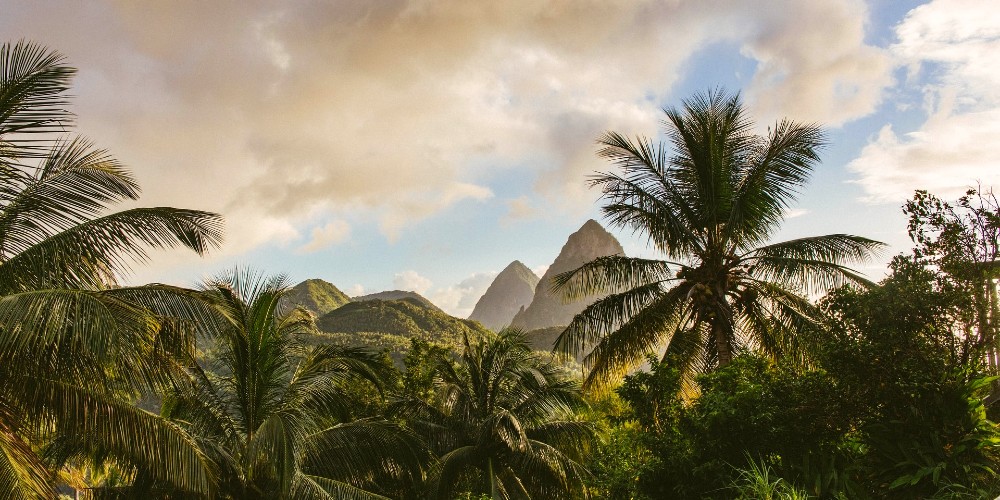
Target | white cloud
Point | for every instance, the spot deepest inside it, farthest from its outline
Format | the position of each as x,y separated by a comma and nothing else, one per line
411,281
540,270
792,213
814,65
330,234
460,299
355,290
950,47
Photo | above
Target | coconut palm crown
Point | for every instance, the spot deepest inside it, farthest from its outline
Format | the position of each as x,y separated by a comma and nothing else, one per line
275,413
708,200
502,420
76,348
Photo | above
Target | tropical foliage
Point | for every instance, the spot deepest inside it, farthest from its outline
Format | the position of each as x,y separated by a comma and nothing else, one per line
277,416
893,400
888,411
75,348
501,419
962,241
709,201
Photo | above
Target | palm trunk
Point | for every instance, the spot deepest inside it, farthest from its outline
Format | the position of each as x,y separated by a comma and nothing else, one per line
493,480
722,343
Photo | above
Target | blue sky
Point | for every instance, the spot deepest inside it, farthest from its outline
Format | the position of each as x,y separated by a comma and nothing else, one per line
426,144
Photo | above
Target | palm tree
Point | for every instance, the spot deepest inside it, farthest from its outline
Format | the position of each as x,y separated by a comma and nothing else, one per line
269,413
501,420
75,348
708,202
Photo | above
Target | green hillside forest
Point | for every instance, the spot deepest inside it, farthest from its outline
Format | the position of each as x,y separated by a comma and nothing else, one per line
407,318
725,364
316,296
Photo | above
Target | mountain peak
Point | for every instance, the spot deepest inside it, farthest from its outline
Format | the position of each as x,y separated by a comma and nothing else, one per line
316,295
510,291
547,308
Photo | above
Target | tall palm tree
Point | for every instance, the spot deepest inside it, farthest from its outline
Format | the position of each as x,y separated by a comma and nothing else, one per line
708,200
276,414
75,348
502,420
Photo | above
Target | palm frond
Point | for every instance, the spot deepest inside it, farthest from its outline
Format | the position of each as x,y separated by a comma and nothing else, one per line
643,334
145,440
770,181
390,451
89,255
91,326
22,472
614,273
74,184
711,138
309,487
606,314
646,197
33,82
449,468
817,263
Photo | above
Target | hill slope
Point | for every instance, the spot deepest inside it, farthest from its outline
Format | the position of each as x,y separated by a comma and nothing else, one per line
547,309
405,318
397,295
510,291
317,296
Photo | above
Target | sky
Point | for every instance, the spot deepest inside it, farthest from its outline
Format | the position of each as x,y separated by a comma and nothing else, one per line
426,144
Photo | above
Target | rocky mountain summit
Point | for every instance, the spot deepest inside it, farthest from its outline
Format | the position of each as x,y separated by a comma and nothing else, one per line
547,309
511,291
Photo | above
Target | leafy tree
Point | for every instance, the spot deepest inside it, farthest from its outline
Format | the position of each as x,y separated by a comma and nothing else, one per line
277,417
75,347
501,420
709,201
916,402
748,414
961,241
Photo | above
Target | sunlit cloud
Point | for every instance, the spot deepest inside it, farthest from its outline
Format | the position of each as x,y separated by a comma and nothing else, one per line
950,47
330,234
295,112
411,281
792,213
460,299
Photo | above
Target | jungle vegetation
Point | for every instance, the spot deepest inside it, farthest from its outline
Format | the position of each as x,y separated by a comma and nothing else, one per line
713,372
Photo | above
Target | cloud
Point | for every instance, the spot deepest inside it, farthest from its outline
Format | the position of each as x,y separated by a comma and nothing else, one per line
322,237
460,299
814,65
949,49
518,209
355,290
279,113
411,281
410,207
540,270
792,213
